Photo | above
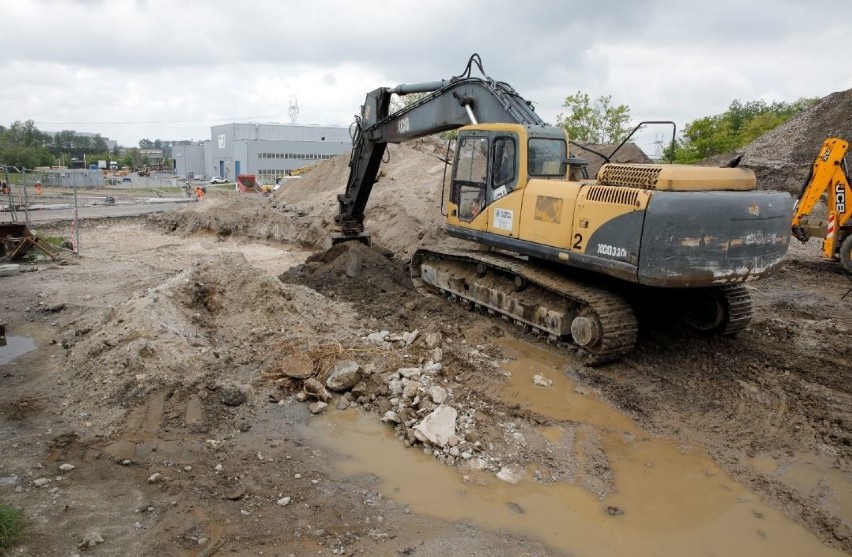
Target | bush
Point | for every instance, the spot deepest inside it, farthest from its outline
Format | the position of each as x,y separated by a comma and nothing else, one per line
11,527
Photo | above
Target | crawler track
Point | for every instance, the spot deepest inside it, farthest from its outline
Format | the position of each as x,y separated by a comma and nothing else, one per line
599,321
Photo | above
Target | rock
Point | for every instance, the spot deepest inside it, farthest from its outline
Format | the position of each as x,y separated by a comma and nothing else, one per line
438,426
154,478
580,390
395,387
359,389
218,468
9,480
438,394
612,510
408,338
391,417
433,368
66,467
41,482
378,338
542,381
297,366
411,388
437,355
842,532
90,540
409,372
454,451
317,407
237,494
283,502
316,390
511,474
453,440
344,376
233,396
354,264
342,404
433,340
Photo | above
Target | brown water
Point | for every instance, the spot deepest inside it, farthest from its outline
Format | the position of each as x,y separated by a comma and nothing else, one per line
676,501
15,346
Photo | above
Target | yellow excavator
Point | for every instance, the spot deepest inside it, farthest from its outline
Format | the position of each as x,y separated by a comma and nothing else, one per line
557,252
828,176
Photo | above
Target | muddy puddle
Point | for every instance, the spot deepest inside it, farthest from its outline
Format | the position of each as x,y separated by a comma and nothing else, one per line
15,346
675,500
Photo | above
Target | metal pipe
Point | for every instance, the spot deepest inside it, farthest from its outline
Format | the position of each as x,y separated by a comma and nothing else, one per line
407,89
470,115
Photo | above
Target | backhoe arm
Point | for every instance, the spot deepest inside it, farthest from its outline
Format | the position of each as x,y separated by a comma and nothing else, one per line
827,176
449,104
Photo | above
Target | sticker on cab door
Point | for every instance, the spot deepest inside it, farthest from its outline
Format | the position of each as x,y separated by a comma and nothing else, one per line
503,219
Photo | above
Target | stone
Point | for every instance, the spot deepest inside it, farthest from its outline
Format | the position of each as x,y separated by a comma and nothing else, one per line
154,478
409,372
297,366
316,390
542,381
612,510
344,376
342,404
391,417
438,394
41,482
283,502
433,340
9,480
354,264
395,387
438,426
317,407
411,388
511,474
453,440
378,338
66,467
454,451
409,338
434,367
437,355
90,540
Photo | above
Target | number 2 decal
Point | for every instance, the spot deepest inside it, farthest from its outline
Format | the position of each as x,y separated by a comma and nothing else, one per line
578,239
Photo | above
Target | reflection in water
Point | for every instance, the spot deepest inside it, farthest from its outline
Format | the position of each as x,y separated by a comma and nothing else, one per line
676,501
15,346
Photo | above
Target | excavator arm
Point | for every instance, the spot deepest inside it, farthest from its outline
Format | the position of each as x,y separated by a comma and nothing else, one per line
828,176
449,104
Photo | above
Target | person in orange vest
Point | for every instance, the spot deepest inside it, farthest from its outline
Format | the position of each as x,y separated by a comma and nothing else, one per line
199,193
38,188
4,187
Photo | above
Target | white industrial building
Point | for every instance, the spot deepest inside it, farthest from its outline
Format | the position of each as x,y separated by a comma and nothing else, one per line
269,151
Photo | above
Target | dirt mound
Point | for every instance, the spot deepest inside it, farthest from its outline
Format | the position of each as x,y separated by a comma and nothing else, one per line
220,321
781,157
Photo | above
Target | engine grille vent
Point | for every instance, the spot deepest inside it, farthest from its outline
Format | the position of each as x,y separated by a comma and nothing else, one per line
628,175
606,194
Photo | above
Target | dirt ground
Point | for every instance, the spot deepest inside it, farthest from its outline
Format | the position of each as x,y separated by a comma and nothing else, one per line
164,374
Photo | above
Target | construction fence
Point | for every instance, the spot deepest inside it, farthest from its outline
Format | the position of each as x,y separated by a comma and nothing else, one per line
60,199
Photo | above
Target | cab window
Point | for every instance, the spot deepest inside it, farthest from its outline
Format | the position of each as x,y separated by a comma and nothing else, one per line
546,156
504,166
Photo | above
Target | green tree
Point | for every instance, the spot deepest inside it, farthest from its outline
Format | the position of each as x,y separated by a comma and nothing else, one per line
738,126
597,121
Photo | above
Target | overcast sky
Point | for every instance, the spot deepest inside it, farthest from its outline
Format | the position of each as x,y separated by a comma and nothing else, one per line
171,69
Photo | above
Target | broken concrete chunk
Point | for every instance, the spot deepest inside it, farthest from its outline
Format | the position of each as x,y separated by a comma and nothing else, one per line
378,338
438,426
438,394
317,407
433,340
391,417
411,388
345,375
542,381
511,474
409,372
315,389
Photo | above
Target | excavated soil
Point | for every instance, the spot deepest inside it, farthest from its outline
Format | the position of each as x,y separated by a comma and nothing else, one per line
178,369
